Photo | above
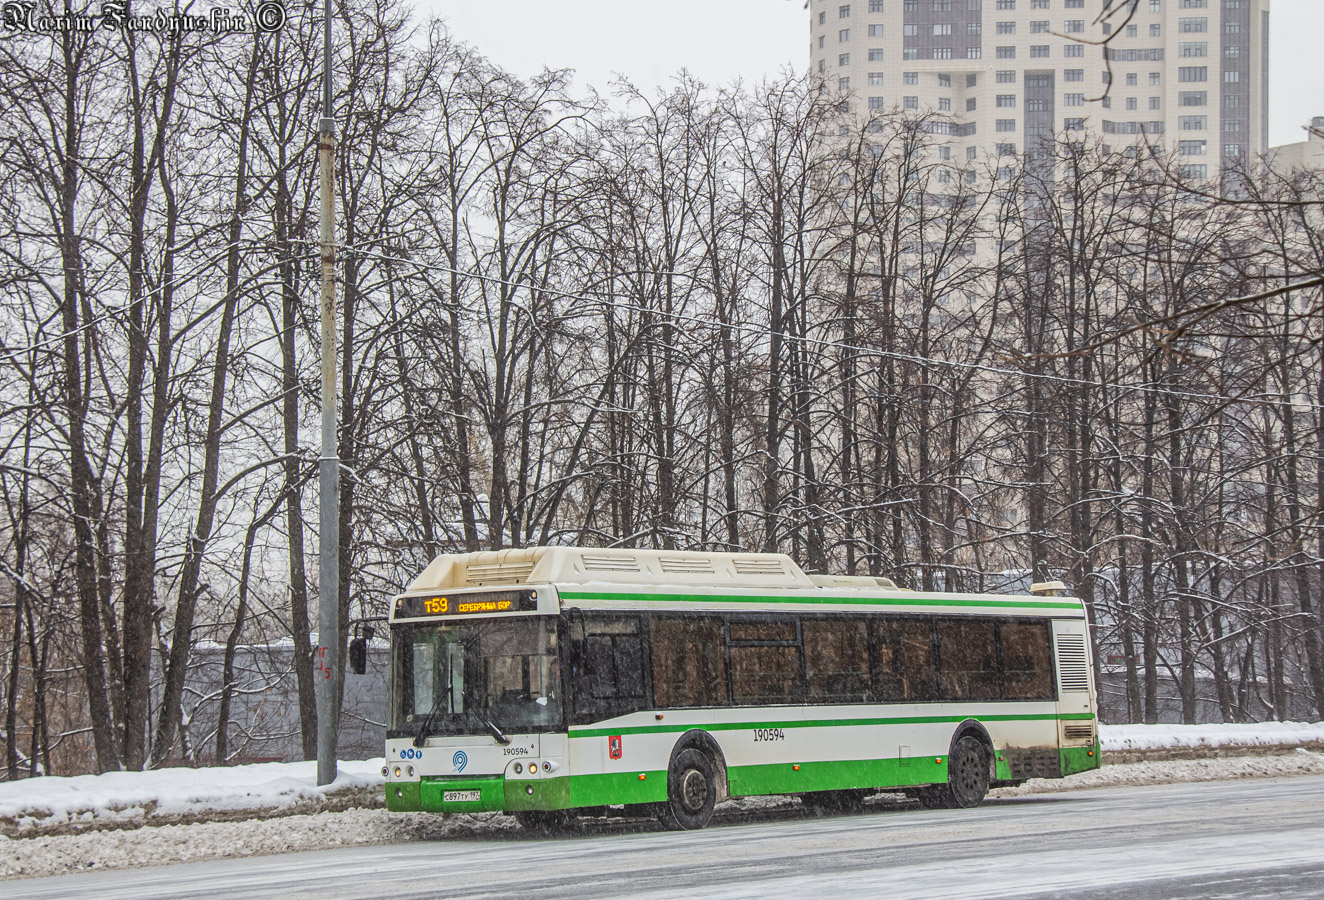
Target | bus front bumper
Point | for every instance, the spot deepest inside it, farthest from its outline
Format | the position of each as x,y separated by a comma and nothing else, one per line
489,794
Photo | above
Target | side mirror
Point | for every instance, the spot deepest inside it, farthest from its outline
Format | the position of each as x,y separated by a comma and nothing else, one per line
358,655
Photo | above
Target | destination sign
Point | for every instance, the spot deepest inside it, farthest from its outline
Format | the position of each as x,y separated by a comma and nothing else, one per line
467,604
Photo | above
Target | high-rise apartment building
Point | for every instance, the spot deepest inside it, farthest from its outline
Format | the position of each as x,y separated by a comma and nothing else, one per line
1004,74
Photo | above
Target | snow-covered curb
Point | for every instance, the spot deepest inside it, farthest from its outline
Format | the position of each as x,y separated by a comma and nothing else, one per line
118,800
132,799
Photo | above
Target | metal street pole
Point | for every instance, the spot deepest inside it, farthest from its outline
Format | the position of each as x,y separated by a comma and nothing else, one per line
328,588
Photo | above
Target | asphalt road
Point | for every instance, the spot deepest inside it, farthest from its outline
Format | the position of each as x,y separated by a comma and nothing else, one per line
1251,838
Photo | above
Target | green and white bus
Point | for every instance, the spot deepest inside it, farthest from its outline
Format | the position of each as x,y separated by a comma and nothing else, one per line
553,680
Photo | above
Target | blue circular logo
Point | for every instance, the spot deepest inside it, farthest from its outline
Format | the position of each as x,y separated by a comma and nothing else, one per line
459,760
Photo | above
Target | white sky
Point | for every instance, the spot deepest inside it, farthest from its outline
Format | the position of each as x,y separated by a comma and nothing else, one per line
720,41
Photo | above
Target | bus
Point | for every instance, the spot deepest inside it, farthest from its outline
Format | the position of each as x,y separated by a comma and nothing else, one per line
548,682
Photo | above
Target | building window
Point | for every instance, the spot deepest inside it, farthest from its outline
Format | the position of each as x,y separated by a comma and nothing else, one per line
1005,125
910,30
944,80
1073,99
1006,28
942,5
970,154
1005,149
1073,51
1039,4
1153,79
875,31
1193,4
1191,148
822,18
1193,73
821,39
911,103
843,59
943,29
911,6
1006,101
1037,27
875,6
910,53
970,104
974,52
944,104
1193,49
1232,4
974,28
1131,103
1006,76
843,12
1232,100
971,176
1189,171
1107,102
1153,102
942,52
1156,30
1232,51
1232,150
1232,125
843,35
1156,5
875,79
1074,26
1132,79
1193,25
875,54
974,5
1006,173
1038,51
944,152
843,82
1232,28
1193,98
1073,124
1006,4
1192,123
1073,74
1230,77
944,176
910,78
1075,4
875,102
1131,31
822,65
971,80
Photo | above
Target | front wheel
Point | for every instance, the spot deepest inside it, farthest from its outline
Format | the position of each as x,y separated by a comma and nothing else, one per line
691,791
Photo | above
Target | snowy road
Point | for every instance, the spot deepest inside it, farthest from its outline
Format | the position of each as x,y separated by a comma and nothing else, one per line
1250,838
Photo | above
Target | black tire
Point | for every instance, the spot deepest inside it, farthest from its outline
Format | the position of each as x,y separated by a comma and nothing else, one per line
546,821
691,791
967,778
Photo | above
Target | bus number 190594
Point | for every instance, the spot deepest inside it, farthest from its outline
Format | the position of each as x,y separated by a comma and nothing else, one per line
769,734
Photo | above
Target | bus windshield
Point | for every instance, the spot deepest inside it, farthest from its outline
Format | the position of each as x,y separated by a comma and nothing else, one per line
473,677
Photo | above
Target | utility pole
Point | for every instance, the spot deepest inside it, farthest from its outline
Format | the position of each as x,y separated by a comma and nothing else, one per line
328,588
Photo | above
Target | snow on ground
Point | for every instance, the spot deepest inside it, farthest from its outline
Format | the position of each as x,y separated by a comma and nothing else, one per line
62,824
126,799
68,853
1119,738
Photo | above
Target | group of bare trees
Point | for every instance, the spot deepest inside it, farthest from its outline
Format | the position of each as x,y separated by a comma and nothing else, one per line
723,319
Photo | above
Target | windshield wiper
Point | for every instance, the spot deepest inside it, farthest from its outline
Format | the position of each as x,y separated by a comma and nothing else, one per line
496,732
425,730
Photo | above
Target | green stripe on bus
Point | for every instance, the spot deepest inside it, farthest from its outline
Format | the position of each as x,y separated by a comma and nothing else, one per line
821,601
823,723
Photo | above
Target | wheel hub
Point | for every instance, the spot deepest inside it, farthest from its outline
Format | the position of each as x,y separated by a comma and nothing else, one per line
693,790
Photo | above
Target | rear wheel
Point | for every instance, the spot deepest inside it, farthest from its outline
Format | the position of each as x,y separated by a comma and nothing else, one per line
967,778
691,791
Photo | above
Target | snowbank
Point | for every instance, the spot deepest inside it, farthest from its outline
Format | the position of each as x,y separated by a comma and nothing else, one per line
166,795
1119,738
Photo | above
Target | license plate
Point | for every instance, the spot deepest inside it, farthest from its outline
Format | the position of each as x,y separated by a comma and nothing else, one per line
461,796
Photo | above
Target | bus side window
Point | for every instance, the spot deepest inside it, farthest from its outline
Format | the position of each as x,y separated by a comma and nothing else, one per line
968,657
1027,661
689,667
836,659
609,661
903,658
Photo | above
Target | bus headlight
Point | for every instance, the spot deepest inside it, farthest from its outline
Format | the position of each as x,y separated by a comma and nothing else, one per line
397,771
